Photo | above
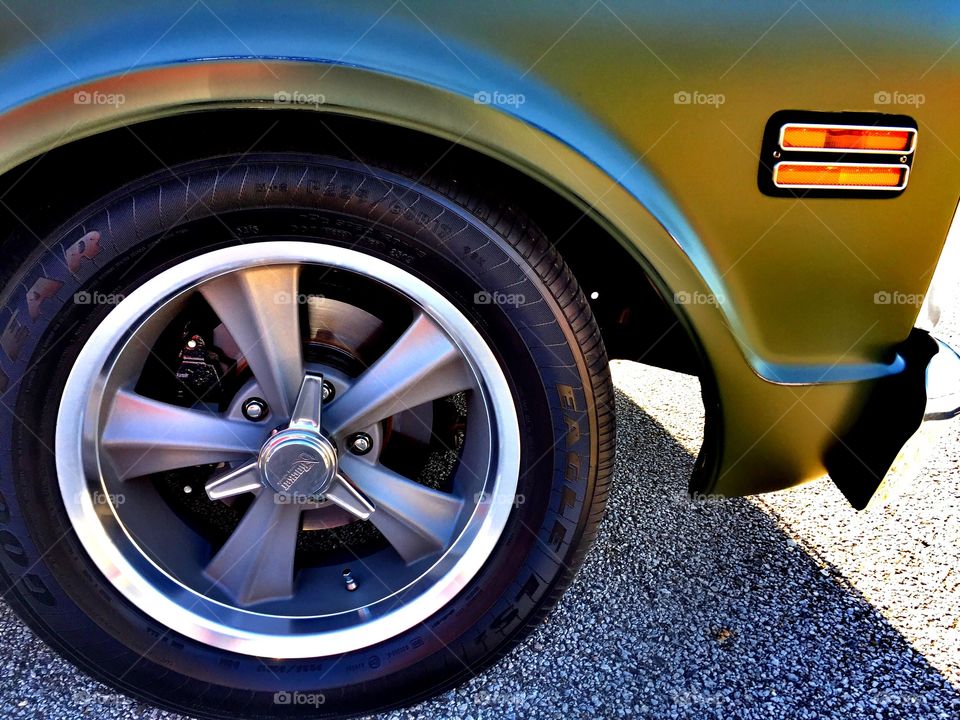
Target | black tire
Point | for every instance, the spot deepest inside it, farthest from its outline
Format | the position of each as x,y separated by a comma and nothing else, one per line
550,348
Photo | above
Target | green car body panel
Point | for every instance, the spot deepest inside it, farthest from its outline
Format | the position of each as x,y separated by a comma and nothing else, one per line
647,115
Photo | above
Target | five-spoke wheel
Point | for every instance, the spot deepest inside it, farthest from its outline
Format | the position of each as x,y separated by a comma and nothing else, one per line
298,455
290,427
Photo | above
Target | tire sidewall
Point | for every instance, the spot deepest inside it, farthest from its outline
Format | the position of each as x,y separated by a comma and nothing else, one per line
62,594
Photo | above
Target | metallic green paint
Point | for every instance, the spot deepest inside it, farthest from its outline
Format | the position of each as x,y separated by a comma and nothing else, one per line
783,291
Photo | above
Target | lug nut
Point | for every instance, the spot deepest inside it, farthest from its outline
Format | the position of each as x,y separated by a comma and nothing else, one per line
327,392
255,409
348,580
360,444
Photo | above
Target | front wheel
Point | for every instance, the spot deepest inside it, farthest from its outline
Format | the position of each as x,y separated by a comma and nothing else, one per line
294,431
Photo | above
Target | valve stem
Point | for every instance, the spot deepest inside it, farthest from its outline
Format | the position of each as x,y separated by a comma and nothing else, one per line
348,580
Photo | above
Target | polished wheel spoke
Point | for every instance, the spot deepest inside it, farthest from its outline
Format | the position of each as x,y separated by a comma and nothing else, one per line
344,494
234,481
423,365
259,308
416,520
306,413
256,562
144,436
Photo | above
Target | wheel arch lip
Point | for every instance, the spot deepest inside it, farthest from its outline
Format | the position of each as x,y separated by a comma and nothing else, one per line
546,137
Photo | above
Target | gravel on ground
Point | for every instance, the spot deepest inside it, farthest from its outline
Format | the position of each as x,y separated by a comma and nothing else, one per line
790,605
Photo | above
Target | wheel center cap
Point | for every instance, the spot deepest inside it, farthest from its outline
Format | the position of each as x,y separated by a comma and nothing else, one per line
297,462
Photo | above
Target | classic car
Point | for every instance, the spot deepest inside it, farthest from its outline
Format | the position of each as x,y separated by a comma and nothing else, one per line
307,308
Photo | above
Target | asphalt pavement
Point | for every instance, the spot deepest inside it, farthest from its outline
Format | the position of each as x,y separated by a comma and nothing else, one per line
790,605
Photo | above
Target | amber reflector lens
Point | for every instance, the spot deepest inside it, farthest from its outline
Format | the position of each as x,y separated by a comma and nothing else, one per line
796,175
811,137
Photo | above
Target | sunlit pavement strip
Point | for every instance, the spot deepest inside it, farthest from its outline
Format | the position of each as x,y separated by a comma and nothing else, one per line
791,605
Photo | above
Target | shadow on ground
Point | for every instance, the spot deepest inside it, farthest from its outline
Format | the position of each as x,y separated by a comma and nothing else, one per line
702,609
683,610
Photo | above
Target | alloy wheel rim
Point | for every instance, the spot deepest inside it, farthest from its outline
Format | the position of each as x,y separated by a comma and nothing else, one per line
108,435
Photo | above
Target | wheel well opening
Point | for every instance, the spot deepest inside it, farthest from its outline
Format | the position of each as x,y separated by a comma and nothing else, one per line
636,321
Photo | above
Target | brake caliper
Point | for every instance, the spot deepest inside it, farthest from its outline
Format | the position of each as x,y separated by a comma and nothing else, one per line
199,371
